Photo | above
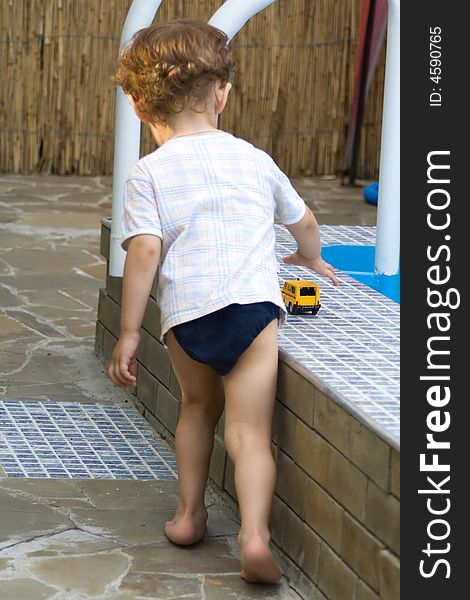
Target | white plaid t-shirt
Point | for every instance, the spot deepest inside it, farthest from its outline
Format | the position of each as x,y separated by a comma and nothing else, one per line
212,199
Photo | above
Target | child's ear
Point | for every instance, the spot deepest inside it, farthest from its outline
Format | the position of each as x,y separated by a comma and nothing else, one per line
222,91
133,103
131,99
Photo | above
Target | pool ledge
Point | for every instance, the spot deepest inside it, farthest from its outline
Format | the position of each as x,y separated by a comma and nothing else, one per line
351,348
321,385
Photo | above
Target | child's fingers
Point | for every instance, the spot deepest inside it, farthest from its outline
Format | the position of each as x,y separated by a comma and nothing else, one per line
116,376
126,374
323,268
118,372
112,374
133,367
330,272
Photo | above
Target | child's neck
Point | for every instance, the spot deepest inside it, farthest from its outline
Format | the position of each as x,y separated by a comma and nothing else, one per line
184,123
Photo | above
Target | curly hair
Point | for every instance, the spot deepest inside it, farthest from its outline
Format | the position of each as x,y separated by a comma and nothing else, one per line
170,66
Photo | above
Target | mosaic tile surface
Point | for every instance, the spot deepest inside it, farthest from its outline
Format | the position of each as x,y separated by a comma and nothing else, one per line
75,440
352,344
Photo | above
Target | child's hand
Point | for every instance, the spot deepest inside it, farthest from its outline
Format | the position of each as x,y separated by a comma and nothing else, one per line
318,265
122,368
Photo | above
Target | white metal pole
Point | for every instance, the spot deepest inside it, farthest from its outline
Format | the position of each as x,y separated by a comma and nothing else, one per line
127,135
233,14
387,252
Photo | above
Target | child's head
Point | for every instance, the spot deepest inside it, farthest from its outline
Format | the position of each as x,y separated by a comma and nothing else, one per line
169,67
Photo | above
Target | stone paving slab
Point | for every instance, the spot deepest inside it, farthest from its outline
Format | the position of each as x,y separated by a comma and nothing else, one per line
25,589
104,539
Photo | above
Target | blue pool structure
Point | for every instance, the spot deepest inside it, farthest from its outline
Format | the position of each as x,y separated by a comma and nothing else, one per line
358,262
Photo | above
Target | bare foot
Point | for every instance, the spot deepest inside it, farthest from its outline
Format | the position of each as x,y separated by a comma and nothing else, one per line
257,560
186,529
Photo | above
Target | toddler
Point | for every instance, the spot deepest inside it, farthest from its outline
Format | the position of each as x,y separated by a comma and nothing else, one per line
202,207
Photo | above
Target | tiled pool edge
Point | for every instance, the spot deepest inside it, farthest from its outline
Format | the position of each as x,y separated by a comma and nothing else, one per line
336,508
351,347
320,384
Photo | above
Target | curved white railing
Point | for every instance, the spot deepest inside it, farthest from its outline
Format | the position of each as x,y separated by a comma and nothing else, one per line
233,14
126,136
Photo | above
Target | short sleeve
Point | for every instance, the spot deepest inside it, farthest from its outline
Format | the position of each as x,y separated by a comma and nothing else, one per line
289,207
140,208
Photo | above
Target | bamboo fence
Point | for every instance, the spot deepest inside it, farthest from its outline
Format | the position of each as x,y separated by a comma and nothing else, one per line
291,95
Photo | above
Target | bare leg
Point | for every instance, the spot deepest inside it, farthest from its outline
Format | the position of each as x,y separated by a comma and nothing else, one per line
201,407
250,389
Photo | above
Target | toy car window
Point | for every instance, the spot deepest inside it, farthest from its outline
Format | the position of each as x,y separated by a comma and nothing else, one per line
307,291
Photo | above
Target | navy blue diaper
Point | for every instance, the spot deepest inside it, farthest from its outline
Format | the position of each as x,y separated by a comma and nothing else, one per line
220,338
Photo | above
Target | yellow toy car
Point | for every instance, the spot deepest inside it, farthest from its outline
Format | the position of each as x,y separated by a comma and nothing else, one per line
301,296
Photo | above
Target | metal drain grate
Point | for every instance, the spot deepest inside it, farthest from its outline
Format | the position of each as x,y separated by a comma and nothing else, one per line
73,440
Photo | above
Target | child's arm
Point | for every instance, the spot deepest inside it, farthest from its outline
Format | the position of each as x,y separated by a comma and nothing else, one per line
143,258
307,235
288,208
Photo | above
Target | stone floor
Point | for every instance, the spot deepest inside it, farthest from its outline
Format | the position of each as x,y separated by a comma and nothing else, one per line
96,538
334,204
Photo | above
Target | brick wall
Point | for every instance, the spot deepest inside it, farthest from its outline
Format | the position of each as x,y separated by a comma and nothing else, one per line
336,510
